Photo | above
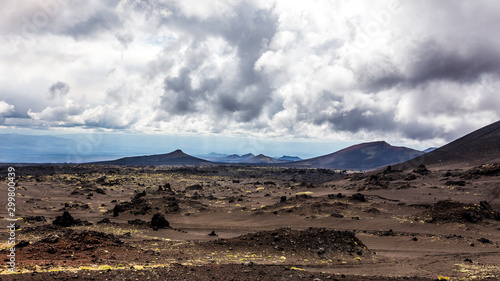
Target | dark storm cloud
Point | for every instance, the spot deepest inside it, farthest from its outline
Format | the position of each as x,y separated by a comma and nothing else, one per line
246,31
435,63
357,119
229,103
180,97
432,63
58,89
374,121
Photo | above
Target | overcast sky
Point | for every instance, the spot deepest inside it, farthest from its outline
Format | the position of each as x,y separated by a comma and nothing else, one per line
415,73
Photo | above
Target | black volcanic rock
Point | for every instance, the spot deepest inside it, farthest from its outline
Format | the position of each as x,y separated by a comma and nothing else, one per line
422,170
358,197
67,220
174,158
365,156
159,222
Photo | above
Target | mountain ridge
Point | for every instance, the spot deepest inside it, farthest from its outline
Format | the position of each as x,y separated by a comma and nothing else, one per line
478,147
176,157
363,156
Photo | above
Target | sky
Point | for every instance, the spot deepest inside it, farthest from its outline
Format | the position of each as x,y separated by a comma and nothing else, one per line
413,73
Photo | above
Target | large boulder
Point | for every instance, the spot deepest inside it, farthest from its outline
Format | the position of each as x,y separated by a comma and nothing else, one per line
159,222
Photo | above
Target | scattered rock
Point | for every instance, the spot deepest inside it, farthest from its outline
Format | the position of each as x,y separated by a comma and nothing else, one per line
372,211
422,170
486,206
137,222
306,243
336,196
388,170
104,221
140,206
458,183
321,251
53,238
453,211
100,191
358,197
283,199
376,181
194,187
119,208
165,188
410,177
67,220
159,222
31,219
22,244
197,196
492,169
484,240
139,195
336,215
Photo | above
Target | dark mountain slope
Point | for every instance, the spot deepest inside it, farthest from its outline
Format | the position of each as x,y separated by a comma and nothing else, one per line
365,156
479,147
174,158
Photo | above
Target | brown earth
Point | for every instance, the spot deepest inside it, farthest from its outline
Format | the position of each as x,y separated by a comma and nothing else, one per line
254,223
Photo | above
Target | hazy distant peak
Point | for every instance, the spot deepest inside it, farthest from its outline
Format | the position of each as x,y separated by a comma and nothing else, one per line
429,149
289,158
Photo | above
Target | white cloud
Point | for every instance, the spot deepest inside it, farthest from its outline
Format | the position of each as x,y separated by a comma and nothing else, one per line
5,108
344,70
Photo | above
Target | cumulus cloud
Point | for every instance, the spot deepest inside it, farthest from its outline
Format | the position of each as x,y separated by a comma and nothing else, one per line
415,72
5,109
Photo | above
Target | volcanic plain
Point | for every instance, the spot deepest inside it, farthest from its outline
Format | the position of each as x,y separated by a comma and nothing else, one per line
94,222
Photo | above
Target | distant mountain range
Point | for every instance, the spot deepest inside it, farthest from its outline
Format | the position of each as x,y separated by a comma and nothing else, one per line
479,147
365,156
233,158
263,159
247,158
